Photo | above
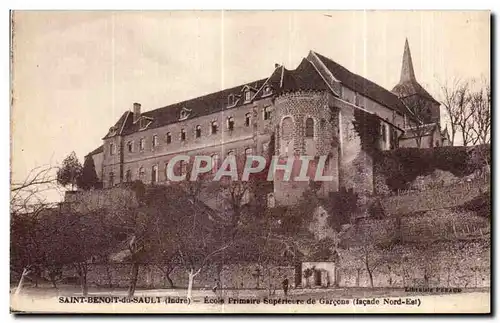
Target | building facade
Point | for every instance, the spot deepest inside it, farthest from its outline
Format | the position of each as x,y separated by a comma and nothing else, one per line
310,110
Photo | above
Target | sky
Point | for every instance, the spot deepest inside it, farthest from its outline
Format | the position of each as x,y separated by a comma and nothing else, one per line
74,73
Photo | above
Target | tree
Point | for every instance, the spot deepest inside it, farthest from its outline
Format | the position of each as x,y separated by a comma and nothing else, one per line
455,101
367,126
88,178
28,229
70,171
480,105
87,237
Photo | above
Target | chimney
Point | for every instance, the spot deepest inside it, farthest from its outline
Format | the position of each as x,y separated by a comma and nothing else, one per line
137,111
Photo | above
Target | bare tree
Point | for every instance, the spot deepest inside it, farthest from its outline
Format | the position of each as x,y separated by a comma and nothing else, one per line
455,101
421,110
28,206
480,106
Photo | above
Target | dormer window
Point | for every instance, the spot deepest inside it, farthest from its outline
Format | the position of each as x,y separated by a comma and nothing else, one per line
248,95
112,131
230,123
185,112
143,123
248,92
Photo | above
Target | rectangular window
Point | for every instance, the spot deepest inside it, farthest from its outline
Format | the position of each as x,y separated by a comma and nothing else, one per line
112,149
155,141
169,138
130,146
267,113
141,144
230,123
247,120
213,127
183,135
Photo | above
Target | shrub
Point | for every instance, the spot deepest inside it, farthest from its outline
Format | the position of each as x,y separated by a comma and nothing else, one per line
401,166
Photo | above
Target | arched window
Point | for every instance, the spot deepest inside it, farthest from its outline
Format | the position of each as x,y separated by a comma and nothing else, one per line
287,128
213,127
142,174
230,123
128,176
309,128
111,179
248,151
247,119
154,174
230,153
215,163
198,131
168,137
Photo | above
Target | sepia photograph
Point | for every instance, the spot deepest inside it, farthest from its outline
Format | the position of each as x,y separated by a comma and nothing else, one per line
252,162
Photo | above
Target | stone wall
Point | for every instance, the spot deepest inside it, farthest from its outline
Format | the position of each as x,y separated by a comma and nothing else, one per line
435,198
440,264
424,227
88,201
150,276
356,167
298,107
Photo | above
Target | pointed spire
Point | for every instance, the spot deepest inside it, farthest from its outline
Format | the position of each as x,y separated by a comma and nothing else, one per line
407,72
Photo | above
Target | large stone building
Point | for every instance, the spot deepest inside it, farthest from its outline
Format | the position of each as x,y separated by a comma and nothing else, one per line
310,110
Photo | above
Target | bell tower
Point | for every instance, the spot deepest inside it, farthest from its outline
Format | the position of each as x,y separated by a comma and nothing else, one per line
417,99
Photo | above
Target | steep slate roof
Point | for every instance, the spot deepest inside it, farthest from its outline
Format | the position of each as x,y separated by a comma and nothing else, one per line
203,105
304,77
364,86
408,84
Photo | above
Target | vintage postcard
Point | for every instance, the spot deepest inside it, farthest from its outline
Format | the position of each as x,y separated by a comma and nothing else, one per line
250,162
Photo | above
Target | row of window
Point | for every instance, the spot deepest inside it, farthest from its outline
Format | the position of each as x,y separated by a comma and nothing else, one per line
214,128
181,166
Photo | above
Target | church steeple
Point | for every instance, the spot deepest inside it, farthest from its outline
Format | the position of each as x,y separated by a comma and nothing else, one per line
407,72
